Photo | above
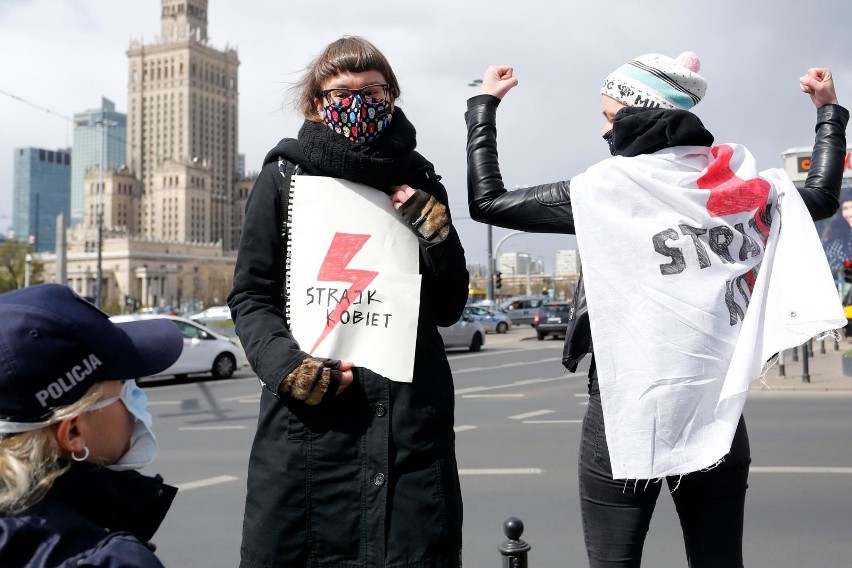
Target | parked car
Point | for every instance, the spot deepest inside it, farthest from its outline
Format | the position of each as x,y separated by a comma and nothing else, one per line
522,309
552,319
490,319
213,313
466,333
204,350
157,310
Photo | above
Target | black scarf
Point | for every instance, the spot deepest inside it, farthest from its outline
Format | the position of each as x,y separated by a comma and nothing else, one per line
639,130
380,164
120,501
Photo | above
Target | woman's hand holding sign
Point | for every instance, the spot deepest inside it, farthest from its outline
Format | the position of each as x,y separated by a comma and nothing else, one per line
346,376
317,378
429,218
400,194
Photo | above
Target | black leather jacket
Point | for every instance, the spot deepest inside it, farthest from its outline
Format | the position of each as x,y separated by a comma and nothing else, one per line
547,208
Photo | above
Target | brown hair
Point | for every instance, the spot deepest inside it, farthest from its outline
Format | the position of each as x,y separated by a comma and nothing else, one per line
350,54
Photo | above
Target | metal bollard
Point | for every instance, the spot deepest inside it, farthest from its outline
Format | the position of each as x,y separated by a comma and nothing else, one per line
822,346
514,550
806,377
782,372
795,354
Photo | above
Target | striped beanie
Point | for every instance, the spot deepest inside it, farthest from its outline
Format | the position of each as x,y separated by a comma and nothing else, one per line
657,81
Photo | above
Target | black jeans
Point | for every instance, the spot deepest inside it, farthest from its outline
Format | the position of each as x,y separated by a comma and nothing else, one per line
616,514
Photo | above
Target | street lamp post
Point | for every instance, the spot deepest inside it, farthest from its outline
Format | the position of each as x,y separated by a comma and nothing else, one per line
99,273
99,283
492,258
489,273
28,267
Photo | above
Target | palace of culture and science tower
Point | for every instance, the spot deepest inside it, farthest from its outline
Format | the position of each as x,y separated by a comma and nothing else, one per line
172,214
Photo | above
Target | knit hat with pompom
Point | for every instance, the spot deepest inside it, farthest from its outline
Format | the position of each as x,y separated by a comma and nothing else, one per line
657,81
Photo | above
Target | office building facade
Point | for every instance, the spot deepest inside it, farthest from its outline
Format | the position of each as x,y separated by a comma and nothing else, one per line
41,191
173,209
182,126
518,263
100,137
567,262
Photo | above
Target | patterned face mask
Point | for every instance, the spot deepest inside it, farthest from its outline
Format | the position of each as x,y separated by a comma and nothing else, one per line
358,120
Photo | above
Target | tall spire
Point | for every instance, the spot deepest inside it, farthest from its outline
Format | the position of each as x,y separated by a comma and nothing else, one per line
184,19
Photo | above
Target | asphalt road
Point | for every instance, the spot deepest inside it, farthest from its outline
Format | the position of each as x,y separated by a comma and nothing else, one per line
518,424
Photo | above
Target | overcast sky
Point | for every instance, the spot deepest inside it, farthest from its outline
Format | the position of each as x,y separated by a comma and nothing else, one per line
64,55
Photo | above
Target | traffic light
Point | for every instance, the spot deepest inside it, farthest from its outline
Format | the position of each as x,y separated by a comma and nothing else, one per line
498,283
847,270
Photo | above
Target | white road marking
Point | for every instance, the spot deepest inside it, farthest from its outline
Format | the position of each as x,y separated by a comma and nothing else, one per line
531,414
502,471
493,395
164,388
512,385
581,394
164,402
504,365
197,428
841,470
463,428
255,395
529,382
206,482
552,422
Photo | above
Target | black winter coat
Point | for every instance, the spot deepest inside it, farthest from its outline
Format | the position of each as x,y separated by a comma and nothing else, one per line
368,477
547,208
91,517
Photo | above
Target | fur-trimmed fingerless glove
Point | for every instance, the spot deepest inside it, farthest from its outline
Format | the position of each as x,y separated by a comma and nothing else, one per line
314,380
429,218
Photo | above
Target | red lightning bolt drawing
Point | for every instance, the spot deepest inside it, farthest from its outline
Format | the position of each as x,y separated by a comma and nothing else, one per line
343,248
728,193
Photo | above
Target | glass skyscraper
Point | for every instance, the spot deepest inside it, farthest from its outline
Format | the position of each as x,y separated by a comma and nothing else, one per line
95,131
42,189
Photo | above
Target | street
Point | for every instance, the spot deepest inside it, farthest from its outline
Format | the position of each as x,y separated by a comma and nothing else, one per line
518,428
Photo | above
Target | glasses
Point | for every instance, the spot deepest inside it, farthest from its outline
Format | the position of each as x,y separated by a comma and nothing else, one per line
371,93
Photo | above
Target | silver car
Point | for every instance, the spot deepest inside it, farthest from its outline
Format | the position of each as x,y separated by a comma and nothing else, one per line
466,333
522,309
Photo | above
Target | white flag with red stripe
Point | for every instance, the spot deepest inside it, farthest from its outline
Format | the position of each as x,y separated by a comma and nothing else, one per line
697,268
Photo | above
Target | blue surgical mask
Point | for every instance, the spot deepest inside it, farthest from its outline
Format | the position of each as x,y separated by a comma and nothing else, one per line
143,444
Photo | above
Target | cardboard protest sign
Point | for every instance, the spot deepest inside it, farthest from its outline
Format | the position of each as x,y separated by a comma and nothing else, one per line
353,276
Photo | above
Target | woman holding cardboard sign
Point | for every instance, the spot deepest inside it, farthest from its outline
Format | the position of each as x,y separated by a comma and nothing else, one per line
346,461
